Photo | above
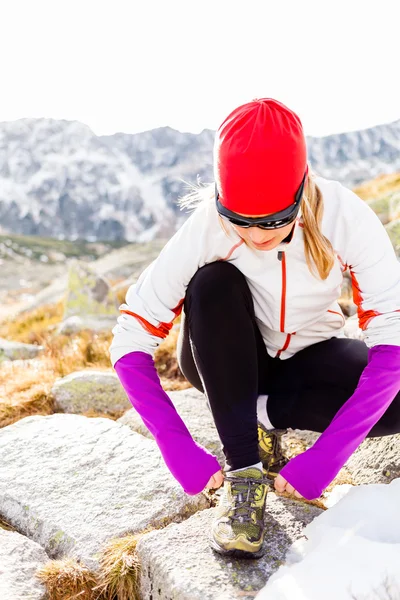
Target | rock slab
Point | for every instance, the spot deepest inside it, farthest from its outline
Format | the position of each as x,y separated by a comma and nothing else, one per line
17,350
71,483
377,460
193,571
87,390
19,560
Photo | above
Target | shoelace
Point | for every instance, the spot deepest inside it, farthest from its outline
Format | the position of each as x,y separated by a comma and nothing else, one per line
244,505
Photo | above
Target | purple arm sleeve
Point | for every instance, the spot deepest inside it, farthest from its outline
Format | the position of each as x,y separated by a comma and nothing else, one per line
312,471
191,464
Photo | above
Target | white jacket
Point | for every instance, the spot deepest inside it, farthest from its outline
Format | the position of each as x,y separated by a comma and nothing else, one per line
293,307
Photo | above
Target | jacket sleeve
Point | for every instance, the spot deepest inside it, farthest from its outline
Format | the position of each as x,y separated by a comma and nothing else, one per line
375,274
146,318
190,464
154,301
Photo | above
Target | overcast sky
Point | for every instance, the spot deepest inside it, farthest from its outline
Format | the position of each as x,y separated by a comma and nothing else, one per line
131,66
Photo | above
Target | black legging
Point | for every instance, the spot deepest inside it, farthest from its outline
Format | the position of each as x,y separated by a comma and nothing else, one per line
221,352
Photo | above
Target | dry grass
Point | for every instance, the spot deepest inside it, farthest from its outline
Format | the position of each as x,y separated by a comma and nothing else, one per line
120,569
66,579
25,386
380,186
5,525
117,579
24,390
32,327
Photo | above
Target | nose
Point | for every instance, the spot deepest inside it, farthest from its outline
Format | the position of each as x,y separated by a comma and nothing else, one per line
257,235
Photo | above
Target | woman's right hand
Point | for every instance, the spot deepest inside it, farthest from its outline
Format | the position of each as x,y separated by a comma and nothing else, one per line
215,481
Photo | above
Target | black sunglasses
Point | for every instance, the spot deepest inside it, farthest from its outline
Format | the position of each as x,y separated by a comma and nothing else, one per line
274,221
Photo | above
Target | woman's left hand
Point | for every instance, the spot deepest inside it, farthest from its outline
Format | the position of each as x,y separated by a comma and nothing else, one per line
281,485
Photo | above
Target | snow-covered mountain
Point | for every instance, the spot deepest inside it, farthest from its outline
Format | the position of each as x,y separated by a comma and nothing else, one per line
58,179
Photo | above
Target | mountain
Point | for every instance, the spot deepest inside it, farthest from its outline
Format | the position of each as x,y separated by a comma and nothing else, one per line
58,179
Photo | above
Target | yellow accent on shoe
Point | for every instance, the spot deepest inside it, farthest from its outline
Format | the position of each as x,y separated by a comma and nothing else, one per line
270,450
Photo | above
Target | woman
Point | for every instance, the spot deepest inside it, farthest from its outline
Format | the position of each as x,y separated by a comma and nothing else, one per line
258,269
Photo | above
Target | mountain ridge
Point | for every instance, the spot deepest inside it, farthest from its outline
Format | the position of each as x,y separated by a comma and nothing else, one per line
59,179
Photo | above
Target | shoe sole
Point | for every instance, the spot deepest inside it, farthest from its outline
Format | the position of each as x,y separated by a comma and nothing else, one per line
235,553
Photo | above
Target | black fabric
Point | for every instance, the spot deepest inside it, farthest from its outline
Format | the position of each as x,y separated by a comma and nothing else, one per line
221,352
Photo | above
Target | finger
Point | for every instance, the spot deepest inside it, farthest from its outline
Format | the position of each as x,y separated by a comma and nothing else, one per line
280,483
297,494
219,479
289,488
216,480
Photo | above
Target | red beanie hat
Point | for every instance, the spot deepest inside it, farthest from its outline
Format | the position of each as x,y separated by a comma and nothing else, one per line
260,158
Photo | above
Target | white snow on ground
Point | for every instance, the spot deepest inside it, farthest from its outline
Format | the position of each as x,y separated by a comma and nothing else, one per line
350,552
338,492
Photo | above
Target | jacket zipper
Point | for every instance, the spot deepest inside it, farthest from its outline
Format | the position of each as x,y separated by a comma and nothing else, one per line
282,259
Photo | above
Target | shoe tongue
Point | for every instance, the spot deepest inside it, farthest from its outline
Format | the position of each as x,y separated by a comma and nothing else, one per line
252,472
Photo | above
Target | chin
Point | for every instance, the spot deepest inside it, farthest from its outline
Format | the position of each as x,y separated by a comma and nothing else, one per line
269,245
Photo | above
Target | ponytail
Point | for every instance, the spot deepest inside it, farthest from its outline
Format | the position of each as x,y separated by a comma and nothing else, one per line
317,248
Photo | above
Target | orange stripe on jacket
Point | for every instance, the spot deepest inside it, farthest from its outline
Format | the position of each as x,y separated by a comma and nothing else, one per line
344,266
364,316
232,250
335,312
164,328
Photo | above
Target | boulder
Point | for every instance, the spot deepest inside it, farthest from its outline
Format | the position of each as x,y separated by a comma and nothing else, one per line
191,405
71,483
193,571
90,302
88,294
19,560
76,324
17,351
90,390
377,460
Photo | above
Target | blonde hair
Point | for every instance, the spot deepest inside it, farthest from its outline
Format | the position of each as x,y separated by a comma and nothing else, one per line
318,250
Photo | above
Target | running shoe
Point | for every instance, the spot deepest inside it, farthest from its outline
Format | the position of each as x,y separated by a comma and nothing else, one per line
238,528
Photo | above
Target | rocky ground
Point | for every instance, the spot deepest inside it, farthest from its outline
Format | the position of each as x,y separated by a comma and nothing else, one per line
88,508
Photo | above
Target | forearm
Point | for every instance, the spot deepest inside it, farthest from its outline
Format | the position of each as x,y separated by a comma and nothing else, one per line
312,471
191,464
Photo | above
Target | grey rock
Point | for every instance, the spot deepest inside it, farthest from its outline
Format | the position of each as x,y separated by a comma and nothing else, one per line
377,460
191,405
95,324
193,571
19,560
88,294
125,262
72,483
90,302
87,390
51,294
17,351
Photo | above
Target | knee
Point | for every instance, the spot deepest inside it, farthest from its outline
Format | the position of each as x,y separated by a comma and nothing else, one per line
215,281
